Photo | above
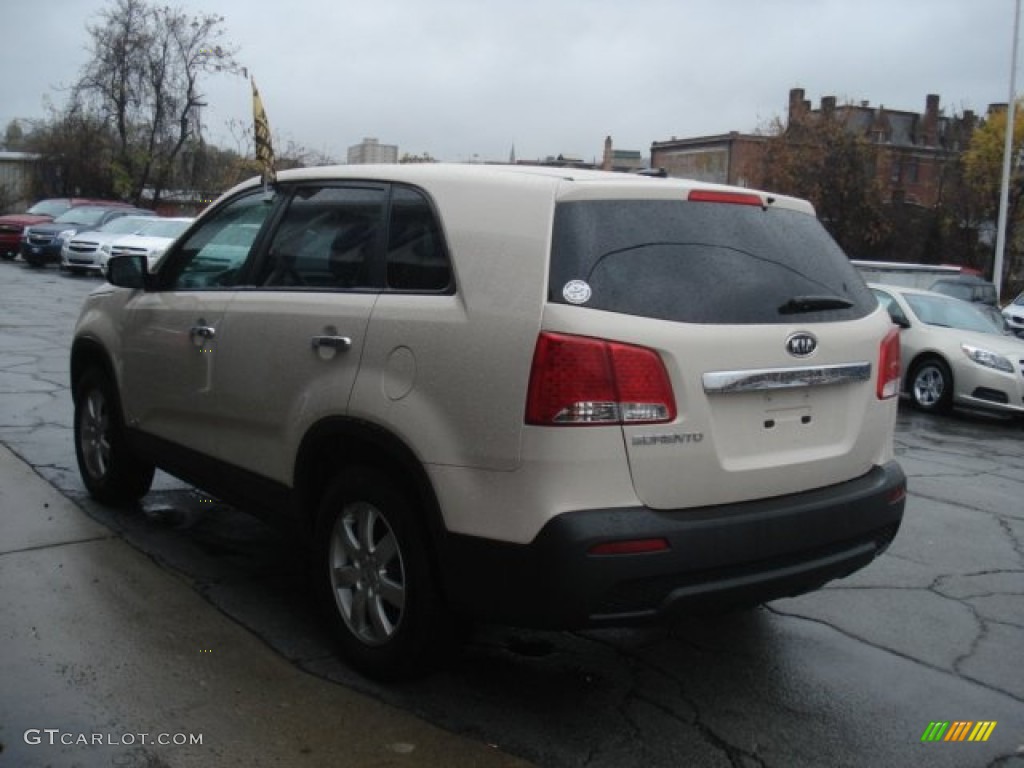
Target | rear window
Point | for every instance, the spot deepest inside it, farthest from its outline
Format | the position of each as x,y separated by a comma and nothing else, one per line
709,263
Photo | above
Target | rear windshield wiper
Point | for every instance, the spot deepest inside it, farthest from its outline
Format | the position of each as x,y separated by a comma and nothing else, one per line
800,304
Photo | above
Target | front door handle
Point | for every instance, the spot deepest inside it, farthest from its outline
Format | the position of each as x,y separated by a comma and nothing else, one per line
200,333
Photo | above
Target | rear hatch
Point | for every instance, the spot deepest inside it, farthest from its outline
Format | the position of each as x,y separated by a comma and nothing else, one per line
769,337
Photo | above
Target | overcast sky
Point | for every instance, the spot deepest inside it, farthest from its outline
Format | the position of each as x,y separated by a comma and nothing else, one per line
468,79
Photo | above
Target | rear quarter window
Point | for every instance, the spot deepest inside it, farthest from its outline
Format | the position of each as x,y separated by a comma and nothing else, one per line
709,263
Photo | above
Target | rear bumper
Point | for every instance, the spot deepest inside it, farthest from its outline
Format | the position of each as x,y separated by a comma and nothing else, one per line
718,558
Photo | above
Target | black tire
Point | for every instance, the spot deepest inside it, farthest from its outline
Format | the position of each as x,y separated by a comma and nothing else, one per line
111,473
8,256
377,586
931,386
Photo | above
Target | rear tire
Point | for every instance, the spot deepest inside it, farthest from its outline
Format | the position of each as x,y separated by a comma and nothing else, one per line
931,386
110,472
377,585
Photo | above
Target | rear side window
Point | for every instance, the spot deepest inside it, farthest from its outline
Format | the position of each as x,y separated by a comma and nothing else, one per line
416,256
327,239
697,262
359,237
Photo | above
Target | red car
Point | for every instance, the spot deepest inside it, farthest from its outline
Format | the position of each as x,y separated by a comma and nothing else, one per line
13,224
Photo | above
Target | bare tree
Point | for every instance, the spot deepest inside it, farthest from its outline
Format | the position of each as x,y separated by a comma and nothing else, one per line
144,76
74,150
819,158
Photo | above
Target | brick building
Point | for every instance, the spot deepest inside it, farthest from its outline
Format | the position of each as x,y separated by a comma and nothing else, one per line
913,146
729,158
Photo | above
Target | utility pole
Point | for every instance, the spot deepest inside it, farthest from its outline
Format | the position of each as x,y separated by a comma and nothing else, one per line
1004,191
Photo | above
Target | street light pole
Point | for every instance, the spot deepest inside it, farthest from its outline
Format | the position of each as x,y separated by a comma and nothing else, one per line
1004,191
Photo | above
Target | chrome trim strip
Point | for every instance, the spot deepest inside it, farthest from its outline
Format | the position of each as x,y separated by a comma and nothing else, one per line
728,382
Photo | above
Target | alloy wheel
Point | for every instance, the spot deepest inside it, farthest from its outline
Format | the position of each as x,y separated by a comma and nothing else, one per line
368,576
94,434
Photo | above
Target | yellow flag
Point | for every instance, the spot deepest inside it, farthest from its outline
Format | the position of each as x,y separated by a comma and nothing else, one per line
261,137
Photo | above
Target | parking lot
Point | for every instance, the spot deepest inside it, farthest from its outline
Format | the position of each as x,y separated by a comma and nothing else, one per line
849,676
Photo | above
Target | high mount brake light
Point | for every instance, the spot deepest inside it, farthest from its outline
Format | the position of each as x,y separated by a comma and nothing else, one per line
732,198
581,381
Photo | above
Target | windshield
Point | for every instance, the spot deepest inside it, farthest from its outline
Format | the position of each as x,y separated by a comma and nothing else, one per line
49,208
126,225
82,216
950,313
698,262
164,228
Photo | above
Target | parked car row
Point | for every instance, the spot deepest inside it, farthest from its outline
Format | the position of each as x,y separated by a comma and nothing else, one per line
12,226
146,236
80,234
41,244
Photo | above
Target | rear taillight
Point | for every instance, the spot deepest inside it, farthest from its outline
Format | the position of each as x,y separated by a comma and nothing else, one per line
889,365
580,381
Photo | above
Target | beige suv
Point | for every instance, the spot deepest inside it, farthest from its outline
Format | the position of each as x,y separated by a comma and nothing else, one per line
544,397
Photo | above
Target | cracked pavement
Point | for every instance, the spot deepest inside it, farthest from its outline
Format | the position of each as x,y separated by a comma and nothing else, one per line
848,676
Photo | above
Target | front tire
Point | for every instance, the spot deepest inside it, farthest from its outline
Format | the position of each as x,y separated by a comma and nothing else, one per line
378,586
110,472
931,386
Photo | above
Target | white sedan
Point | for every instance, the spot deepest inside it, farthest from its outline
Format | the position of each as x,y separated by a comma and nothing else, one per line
954,354
82,253
151,240
1014,314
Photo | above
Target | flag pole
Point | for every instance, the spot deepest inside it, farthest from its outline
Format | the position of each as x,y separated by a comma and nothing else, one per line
1004,190
261,139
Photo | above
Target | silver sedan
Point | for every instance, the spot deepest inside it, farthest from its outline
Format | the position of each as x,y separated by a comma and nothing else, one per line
952,353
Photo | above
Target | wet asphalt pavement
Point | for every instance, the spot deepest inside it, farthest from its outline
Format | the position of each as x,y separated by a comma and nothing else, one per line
849,676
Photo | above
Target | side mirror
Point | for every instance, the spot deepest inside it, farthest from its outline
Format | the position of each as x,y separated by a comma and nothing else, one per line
899,320
129,272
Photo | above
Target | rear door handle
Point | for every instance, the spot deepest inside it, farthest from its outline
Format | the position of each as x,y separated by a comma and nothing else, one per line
332,342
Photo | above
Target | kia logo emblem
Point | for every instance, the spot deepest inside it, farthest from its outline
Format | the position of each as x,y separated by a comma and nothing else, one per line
801,344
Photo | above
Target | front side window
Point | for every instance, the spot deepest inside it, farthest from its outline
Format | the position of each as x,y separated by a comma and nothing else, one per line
950,313
213,256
